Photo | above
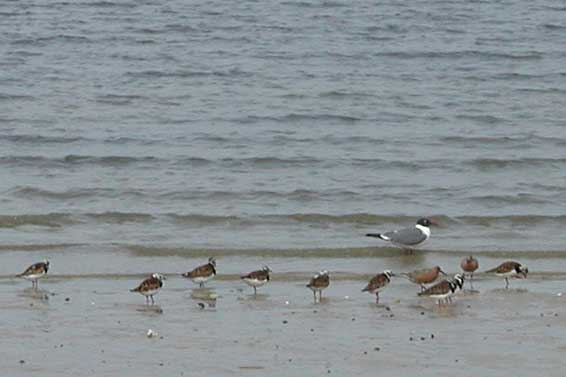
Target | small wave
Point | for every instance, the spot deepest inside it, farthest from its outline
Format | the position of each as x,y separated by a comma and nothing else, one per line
494,163
39,139
121,217
351,252
36,247
51,220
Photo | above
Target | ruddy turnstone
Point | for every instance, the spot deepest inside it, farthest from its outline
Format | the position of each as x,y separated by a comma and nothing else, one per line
319,282
424,276
150,287
407,238
35,272
257,278
443,290
203,273
378,283
509,269
469,265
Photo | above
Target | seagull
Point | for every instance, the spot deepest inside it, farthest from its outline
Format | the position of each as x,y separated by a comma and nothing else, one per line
407,238
510,269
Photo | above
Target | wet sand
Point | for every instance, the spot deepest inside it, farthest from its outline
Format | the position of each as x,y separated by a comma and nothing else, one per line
95,326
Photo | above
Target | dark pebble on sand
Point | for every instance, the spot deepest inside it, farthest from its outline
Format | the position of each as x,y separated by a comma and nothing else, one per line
201,305
422,338
377,349
67,299
391,315
431,336
312,330
161,364
353,319
22,361
365,352
422,313
388,308
285,321
411,339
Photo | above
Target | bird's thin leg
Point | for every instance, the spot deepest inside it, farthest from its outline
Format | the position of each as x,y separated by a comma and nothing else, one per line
152,302
506,283
201,284
314,293
147,300
377,297
255,291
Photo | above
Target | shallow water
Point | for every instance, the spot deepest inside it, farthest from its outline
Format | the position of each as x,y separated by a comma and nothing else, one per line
280,332
143,136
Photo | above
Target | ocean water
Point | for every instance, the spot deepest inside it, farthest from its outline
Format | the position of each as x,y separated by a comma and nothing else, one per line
190,128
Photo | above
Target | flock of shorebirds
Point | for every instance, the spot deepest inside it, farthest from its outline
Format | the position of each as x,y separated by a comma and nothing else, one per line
406,238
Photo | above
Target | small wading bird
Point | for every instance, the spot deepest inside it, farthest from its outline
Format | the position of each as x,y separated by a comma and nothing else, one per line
150,287
469,265
509,269
407,238
444,290
203,273
378,283
319,282
424,276
257,278
34,272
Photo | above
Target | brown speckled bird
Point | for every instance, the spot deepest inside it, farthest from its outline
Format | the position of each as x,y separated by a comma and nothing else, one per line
378,283
509,269
150,287
34,272
257,278
203,273
444,289
319,282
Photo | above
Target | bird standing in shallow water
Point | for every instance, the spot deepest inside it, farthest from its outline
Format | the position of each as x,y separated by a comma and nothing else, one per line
257,278
203,273
378,283
509,269
445,289
150,287
424,276
407,238
35,271
469,265
319,282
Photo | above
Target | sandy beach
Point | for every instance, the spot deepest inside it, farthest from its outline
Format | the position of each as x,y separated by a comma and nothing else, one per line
92,325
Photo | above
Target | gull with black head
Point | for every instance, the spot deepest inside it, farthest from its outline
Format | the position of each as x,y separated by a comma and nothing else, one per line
407,238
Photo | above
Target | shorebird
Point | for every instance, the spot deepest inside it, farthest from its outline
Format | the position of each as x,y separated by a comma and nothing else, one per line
150,287
319,282
203,273
509,269
378,283
443,290
469,265
424,276
35,271
407,238
257,278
